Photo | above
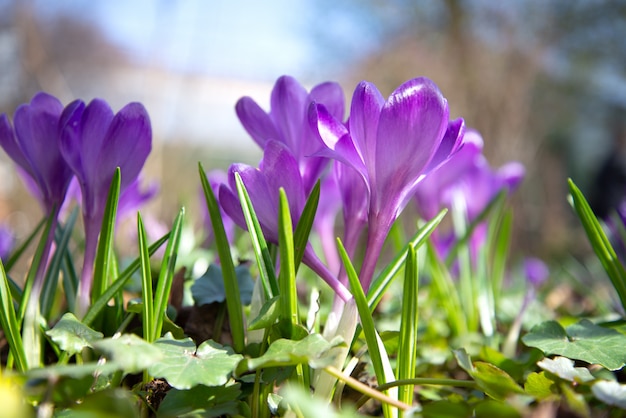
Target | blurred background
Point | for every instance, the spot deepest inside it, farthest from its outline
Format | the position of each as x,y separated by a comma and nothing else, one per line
544,81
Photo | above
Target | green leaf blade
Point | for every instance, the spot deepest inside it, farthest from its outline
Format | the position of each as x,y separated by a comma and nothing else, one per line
117,286
166,275
146,283
600,242
259,245
233,298
287,279
102,264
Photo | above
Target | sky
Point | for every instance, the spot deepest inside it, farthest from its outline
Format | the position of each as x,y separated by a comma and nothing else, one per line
237,38
219,50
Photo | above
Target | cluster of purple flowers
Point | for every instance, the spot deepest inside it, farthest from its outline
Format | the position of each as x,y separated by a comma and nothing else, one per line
51,145
387,153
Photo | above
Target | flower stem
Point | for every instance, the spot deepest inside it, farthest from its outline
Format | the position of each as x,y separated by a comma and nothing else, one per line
315,264
86,277
376,236
364,389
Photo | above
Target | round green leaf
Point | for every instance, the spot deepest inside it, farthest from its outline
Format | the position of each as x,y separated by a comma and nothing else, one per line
582,341
184,366
71,335
129,352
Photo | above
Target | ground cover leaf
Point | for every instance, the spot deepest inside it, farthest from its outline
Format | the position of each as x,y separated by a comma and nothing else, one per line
539,386
609,392
131,353
581,341
209,288
492,380
204,401
109,403
185,366
564,368
575,401
71,335
267,315
313,349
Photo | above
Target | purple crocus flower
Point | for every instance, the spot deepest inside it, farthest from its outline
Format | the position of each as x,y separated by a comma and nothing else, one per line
94,143
465,179
34,146
7,241
536,271
392,144
278,169
432,192
287,122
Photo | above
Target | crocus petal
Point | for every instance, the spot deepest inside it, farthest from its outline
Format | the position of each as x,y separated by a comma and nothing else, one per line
354,193
9,143
264,199
536,271
34,146
331,96
36,131
324,224
451,142
71,145
339,144
231,206
281,170
255,121
134,197
512,174
411,127
95,122
355,199
367,103
7,241
288,109
127,144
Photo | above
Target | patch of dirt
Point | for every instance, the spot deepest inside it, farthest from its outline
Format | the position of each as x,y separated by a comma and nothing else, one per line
155,392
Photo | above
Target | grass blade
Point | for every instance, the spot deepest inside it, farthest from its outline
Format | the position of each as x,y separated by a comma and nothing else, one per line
35,265
384,279
305,224
499,245
287,276
259,245
10,323
51,282
600,242
104,253
70,282
146,283
446,292
117,286
367,321
231,286
461,242
407,346
15,256
166,276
